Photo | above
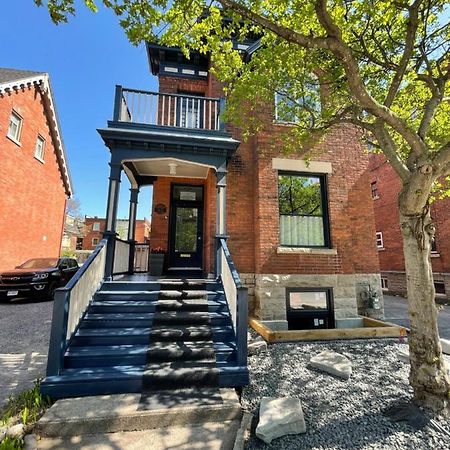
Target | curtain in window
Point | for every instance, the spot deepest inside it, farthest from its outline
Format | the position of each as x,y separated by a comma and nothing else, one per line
304,231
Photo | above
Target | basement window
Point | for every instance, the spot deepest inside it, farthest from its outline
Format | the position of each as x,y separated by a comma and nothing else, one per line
384,283
94,242
15,127
439,287
309,309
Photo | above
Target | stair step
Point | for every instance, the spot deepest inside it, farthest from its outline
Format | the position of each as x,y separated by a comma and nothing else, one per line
155,295
117,336
117,355
172,377
156,285
137,320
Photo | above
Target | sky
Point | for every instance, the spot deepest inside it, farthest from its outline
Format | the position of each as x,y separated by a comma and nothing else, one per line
85,58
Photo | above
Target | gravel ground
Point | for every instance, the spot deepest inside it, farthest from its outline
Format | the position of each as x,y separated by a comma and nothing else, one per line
341,414
24,337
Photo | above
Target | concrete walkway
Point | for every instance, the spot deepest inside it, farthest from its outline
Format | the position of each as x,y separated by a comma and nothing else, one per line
24,336
396,311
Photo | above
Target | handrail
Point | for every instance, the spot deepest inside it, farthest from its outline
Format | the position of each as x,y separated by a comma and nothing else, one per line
70,305
236,295
140,91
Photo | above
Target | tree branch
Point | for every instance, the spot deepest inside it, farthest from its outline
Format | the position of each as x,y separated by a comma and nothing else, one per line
411,30
441,161
390,150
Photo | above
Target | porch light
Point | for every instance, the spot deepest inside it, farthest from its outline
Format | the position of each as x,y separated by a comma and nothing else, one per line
172,168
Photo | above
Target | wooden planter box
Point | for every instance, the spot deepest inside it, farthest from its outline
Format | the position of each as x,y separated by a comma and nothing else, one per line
156,264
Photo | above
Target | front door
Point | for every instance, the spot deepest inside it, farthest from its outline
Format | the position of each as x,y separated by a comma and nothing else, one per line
186,227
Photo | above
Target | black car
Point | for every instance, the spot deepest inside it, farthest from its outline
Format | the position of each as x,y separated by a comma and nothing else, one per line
37,278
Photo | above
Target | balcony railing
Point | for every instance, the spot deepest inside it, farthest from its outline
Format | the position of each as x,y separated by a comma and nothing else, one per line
168,110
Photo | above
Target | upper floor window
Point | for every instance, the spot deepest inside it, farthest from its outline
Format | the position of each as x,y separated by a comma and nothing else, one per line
299,104
96,226
15,126
374,188
40,148
303,210
380,243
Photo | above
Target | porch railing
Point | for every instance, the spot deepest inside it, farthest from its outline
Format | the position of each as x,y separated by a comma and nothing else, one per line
141,257
237,298
121,257
71,303
169,110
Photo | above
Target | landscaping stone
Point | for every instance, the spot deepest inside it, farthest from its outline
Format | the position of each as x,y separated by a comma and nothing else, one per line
2,433
403,355
256,346
30,442
445,343
15,430
333,363
279,417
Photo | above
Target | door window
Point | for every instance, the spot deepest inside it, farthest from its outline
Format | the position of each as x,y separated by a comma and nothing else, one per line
186,230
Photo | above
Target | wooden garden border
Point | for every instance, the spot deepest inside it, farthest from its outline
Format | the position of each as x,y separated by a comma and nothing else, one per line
373,328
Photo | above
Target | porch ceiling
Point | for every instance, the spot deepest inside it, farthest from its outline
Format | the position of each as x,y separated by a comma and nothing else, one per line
169,167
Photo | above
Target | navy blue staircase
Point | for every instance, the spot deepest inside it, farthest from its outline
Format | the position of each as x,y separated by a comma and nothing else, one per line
139,336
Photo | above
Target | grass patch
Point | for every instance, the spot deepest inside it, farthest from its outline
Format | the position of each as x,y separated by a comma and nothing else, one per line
26,408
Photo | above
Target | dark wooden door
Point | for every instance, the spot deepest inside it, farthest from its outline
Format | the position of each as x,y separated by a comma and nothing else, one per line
186,227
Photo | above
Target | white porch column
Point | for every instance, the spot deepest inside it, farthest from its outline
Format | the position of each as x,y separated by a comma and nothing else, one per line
221,219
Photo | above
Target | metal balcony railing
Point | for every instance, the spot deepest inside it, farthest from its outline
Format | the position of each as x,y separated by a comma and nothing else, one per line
168,110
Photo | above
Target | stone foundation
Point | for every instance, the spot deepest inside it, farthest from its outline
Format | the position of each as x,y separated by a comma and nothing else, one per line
267,293
397,283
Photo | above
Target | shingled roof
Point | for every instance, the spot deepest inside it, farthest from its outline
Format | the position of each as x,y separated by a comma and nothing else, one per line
7,75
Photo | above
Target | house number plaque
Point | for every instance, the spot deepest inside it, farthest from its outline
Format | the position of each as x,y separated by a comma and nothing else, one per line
160,208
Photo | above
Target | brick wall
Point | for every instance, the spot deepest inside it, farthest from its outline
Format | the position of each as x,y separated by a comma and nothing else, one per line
387,220
32,196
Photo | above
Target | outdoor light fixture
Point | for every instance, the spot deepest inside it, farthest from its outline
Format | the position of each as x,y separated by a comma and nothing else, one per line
172,168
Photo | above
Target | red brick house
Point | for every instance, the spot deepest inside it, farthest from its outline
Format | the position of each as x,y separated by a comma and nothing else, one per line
34,177
386,186
241,229
94,227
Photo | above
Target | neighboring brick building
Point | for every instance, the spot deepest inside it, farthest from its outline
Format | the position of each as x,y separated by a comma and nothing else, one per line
73,233
95,227
320,253
386,186
34,178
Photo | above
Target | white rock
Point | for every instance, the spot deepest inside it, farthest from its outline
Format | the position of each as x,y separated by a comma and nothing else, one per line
333,363
445,343
257,346
2,433
278,417
403,355
15,430
30,442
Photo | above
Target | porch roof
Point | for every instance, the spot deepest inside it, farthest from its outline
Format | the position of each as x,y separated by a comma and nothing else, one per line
139,135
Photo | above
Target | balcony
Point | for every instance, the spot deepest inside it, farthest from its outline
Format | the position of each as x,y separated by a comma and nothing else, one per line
157,109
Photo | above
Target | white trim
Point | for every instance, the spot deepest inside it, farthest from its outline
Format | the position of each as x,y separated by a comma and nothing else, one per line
188,71
171,69
40,157
379,237
19,118
42,83
307,250
300,165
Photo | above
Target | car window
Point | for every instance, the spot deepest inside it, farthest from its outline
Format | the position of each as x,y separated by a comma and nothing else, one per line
39,263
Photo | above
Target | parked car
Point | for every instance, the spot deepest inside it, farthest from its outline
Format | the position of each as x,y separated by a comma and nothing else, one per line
37,278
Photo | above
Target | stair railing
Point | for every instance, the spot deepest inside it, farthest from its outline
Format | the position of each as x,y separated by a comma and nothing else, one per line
70,305
237,298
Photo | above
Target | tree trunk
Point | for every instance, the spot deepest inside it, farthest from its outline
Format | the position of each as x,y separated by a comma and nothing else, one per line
428,376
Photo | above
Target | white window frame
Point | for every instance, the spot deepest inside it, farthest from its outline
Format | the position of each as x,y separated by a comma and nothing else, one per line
96,226
95,243
377,195
379,238
384,283
17,136
40,157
